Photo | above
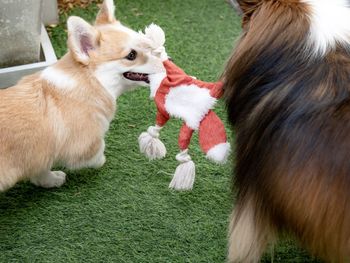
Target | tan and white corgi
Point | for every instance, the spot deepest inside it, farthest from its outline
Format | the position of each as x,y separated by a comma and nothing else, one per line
60,115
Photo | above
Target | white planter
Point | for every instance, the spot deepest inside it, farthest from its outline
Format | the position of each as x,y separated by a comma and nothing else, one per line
20,24
10,76
50,12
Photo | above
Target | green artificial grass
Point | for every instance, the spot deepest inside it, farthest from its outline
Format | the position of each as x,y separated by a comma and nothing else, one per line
124,212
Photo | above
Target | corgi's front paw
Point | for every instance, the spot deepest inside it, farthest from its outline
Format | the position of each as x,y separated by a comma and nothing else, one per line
99,162
50,179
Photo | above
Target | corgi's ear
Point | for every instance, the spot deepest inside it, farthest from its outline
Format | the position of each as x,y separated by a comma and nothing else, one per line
82,39
106,13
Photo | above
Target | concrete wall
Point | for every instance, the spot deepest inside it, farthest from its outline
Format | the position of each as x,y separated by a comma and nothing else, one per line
50,12
20,26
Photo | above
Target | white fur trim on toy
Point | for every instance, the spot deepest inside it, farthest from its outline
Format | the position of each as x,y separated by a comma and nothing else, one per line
164,56
154,82
219,153
189,103
150,145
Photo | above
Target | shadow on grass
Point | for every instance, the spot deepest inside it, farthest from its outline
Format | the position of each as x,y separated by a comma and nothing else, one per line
25,195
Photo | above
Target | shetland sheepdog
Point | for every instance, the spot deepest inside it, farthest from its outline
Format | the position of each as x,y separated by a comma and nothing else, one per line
60,115
287,86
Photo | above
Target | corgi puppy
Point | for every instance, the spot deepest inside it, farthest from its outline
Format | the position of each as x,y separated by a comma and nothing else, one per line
287,87
60,115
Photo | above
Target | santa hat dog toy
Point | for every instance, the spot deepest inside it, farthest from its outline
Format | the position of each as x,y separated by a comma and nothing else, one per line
178,95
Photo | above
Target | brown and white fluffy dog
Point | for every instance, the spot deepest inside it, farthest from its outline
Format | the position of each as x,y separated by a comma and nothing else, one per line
287,87
60,115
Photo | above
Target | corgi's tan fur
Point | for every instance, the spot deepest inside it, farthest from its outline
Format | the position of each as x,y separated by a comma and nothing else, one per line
60,115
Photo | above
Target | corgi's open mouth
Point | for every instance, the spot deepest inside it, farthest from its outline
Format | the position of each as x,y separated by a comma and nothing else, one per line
134,76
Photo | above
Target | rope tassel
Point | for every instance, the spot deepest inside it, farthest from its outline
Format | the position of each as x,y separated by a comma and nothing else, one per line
185,173
151,145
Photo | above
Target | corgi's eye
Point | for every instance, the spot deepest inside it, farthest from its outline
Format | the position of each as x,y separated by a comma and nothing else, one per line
132,55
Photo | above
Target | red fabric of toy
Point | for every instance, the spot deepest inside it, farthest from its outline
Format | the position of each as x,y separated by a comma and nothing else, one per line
192,100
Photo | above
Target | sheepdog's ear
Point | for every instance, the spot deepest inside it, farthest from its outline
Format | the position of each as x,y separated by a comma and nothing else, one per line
82,39
246,6
106,13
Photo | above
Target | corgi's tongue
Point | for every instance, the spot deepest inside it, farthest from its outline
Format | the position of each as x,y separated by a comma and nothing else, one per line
134,76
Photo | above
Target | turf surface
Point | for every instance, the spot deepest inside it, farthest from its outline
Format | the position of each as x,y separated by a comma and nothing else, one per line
124,212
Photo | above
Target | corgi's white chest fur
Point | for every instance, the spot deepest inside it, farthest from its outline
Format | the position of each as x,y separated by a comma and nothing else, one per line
190,103
109,81
58,78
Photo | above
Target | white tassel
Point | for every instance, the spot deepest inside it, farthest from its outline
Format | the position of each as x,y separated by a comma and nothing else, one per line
150,145
156,34
156,38
185,173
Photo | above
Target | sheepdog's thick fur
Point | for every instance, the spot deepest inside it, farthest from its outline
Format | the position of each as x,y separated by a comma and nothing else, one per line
287,87
60,115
